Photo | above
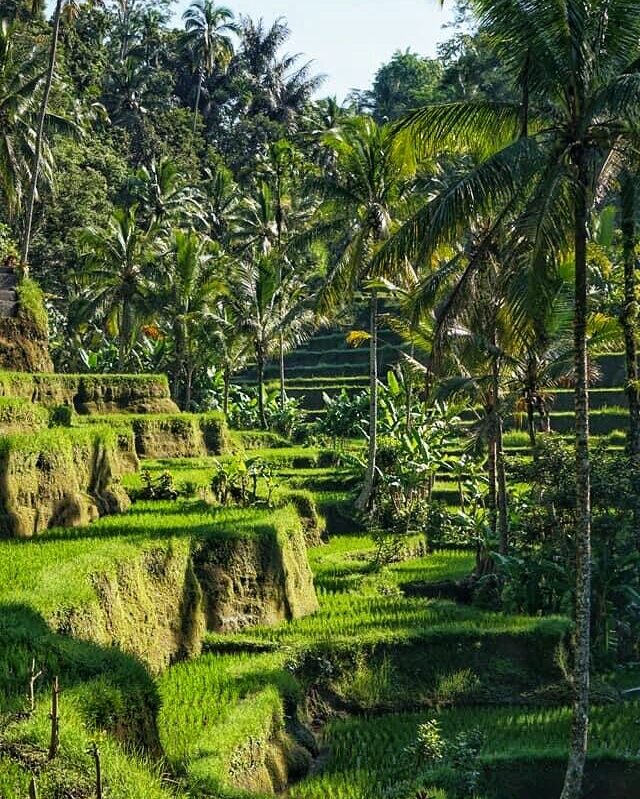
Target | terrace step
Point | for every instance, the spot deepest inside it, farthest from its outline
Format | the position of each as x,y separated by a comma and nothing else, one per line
8,308
8,279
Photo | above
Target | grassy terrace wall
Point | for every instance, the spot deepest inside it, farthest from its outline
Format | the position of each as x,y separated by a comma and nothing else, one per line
20,415
92,394
144,581
60,477
251,740
108,606
180,435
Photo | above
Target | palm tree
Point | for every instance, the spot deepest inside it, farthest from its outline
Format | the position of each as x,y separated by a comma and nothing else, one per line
576,60
232,344
280,87
70,7
193,287
163,195
19,80
116,276
208,28
629,319
363,189
274,219
271,310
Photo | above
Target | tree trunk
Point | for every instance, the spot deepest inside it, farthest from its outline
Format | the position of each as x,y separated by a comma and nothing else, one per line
364,500
197,103
188,389
225,398
283,392
582,637
179,365
409,389
492,458
630,326
502,511
501,480
261,408
531,424
37,157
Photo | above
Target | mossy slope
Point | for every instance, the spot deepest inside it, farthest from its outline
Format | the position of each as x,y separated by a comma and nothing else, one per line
58,477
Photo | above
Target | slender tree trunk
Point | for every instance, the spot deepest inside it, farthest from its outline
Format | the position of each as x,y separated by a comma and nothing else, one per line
178,367
582,637
225,399
502,511
364,500
630,326
124,337
409,386
283,391
37,157
261,408
188,390
501,480
492,471
197,103
531,423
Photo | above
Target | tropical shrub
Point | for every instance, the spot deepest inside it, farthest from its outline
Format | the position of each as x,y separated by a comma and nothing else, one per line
345,415
538,575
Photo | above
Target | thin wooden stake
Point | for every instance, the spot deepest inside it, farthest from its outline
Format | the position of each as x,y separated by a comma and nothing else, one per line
35,676
33,788
96,756
55,719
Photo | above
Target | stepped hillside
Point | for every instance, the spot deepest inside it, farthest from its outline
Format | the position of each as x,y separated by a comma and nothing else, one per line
254,651
328,364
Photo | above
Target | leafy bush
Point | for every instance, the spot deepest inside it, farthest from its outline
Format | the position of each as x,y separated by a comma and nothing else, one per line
61,416
345,416
538,576
159,488
238,481
31,302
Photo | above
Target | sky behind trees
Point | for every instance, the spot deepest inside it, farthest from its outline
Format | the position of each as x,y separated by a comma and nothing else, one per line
350,39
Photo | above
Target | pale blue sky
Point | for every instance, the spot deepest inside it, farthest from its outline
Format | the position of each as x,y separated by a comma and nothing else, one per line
349,39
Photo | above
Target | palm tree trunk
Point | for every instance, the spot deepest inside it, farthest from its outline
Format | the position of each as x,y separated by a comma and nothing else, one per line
196,107
124,338
582,637
37,157
502,511
531,424
630,326
225,398
364,500
261,408
188,390
283,392
409,385
179,370
492,471
501,480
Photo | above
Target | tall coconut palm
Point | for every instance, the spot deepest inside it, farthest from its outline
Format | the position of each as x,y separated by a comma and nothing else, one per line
271,310
232,344
576,60
19,81
629,204
193,288
163,195
364,189
207,31
116,277
274,219
62,7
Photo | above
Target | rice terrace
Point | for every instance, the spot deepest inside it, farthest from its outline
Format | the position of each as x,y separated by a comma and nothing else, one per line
319,405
